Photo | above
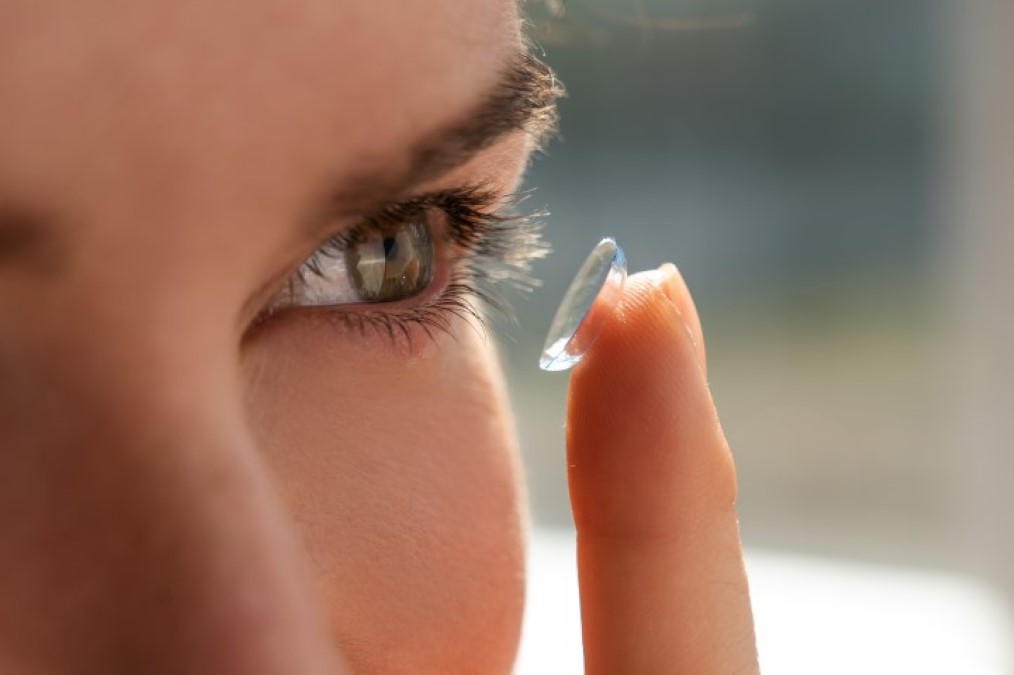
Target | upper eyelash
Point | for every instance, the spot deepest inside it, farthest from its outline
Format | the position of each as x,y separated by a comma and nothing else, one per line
497,246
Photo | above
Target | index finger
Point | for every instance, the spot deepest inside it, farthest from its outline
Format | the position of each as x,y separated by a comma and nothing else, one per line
653,488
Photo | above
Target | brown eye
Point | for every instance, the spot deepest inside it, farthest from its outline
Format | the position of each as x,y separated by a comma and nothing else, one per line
391,261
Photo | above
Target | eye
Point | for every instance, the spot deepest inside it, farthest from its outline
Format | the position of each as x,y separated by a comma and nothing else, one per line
418,264
377,261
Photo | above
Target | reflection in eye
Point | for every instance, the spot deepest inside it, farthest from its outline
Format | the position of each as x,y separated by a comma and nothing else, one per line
391,264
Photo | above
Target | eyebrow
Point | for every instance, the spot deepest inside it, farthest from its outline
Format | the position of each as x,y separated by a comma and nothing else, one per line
523,99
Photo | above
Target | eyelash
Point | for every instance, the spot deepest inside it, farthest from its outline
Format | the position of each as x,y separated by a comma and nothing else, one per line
494,247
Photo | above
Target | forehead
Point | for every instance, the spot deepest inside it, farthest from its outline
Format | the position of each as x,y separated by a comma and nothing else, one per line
117,84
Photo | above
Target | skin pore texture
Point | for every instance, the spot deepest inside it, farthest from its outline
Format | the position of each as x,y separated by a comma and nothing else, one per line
177,495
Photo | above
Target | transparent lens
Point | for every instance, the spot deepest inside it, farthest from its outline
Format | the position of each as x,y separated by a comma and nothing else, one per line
586,307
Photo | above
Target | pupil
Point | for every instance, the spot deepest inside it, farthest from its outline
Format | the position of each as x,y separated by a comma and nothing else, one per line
391,264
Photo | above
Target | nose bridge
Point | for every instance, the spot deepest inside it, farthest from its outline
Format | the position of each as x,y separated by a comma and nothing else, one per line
139,533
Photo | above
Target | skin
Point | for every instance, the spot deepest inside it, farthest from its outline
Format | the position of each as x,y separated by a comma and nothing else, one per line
180,492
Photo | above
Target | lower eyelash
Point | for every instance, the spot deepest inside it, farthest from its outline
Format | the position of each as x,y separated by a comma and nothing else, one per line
433,317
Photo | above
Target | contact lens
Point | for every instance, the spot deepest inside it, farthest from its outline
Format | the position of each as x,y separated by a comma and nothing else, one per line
586,307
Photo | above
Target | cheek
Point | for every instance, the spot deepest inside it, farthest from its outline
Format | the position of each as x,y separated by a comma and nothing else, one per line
403,477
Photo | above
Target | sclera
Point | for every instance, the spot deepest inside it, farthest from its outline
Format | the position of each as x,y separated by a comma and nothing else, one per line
586,307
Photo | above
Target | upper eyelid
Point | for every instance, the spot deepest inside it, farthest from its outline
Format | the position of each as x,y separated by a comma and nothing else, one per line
476,196
471,200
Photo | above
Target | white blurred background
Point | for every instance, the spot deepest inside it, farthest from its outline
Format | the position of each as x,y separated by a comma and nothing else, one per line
836,182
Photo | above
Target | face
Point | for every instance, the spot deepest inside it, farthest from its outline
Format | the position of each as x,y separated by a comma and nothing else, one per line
249,423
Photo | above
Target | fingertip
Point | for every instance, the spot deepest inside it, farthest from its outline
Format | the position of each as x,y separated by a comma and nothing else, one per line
641,420
645,346
675,288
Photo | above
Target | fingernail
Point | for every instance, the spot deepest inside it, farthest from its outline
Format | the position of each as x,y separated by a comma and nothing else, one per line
670,282
670,276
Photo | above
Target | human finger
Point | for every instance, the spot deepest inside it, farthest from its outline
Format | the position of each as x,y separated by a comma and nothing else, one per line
653,490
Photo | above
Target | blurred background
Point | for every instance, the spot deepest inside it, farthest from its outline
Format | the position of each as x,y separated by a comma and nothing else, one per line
831,178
